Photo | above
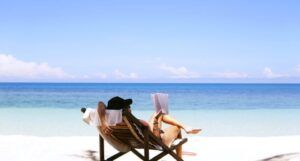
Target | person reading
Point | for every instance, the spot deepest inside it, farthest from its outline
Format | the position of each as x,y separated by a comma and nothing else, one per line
161,115
160,103
106,118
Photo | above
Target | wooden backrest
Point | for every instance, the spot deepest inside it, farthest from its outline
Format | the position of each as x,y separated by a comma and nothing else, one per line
123,134
131,133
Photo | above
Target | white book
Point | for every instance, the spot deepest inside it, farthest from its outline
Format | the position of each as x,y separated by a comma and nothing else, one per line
160,102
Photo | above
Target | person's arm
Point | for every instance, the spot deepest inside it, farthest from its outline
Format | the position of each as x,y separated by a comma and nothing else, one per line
101,112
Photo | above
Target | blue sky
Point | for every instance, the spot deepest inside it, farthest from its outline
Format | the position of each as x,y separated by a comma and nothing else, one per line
150,41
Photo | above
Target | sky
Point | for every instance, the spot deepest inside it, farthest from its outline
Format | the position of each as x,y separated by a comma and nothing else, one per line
232,41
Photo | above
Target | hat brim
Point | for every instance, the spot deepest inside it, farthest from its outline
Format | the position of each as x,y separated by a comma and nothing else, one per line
127,102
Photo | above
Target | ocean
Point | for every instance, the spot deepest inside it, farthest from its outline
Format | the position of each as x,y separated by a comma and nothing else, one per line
53,109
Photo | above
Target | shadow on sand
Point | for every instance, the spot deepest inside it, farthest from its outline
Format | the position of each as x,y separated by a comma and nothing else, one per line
91,155
283,157
88,154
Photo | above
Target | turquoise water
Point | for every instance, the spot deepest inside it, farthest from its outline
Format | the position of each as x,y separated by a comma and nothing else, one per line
219,109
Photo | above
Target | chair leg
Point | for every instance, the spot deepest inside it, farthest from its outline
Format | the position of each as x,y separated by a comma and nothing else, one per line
170,151
137,154
116,156
101,148
146,143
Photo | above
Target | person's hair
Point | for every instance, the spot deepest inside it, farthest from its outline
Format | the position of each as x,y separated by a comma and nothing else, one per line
83,110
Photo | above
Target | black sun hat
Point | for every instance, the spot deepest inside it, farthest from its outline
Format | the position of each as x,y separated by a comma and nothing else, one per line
117,103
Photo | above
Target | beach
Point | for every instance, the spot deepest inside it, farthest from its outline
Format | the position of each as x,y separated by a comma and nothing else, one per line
80,148
240,122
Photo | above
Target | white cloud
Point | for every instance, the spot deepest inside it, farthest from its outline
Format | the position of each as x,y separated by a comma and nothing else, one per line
95,76
298,68
231,75
101,75
181,72
12,68
120,75
270,74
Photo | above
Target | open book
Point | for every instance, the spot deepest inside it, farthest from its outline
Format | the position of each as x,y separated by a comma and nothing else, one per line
160,102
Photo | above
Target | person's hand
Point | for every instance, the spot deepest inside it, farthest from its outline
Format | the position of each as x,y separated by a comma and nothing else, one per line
158,115
106,129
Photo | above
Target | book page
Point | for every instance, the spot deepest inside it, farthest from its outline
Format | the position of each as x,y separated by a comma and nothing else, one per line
160,102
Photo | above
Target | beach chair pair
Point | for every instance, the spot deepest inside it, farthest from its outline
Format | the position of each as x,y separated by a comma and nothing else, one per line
138,136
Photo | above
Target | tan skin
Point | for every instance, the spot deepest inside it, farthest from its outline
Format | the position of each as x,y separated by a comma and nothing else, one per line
170,133
101,112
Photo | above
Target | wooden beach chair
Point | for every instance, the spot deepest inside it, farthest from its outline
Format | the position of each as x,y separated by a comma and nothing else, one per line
138,136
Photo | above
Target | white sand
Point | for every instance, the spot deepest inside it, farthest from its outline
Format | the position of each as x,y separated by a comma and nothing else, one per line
30,148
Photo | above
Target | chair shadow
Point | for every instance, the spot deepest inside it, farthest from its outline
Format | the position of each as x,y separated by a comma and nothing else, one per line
88,154
282,157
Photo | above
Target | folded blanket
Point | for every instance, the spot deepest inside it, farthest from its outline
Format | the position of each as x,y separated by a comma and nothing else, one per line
112,117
